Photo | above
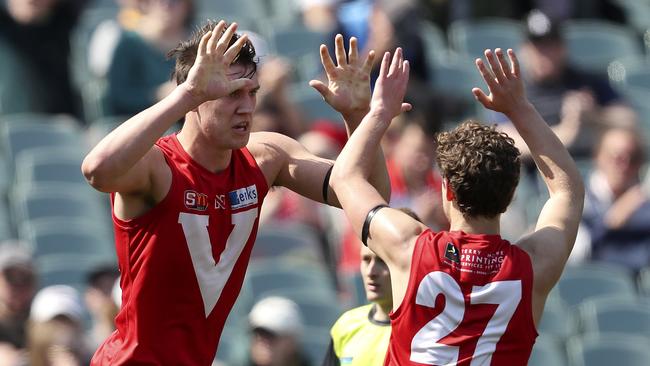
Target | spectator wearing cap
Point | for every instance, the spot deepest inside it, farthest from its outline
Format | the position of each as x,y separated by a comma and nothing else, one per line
276,326
572,101
55,331
17,288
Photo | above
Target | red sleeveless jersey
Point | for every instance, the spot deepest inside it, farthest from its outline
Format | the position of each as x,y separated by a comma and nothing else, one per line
183,262
468,302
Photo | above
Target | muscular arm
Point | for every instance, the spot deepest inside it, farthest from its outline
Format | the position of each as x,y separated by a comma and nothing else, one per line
550,244
392,233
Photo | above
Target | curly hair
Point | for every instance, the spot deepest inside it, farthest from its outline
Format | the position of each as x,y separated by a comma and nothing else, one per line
481,166
186,51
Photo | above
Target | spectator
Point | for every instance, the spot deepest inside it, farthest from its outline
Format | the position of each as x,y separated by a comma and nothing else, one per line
139,73
98,298
55,335
617,209
39,33
571,101
17,288
276,326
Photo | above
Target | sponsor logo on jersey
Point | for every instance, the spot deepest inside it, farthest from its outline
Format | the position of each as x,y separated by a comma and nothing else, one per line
243,197
196,201
451,253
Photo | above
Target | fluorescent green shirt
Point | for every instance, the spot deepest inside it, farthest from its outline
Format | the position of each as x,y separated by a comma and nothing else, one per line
359,340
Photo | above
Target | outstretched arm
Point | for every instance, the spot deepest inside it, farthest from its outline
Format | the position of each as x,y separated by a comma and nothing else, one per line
348,92
124,160
551,243
391,231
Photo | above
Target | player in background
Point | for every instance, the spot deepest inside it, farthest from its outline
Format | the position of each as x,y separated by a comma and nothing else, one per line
186,206
466,296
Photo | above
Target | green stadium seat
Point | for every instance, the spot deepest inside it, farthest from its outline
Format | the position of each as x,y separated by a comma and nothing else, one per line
580,283
547,351
557,321
469,39
609,349
268,275
594,44
615,314
434,43
287,240
70,239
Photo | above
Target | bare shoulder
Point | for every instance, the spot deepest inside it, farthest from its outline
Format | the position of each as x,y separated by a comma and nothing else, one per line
270,152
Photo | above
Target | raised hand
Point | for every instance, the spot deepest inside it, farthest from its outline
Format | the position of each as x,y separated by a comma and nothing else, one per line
208,78
503,80
390,87
348,89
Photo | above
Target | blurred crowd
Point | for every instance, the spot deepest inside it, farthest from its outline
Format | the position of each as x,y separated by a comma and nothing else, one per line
101,61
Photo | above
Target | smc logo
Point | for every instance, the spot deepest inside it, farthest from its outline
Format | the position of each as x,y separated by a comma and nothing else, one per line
196,201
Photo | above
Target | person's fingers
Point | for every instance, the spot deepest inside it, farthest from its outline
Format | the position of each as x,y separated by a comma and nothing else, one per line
320,87
353,54
514,62
203,43
495,68
505,68
214,36
233,50
406,107
395,62
326,60
224,41
485,73
383,70
370,61
339,50
406,68
481,97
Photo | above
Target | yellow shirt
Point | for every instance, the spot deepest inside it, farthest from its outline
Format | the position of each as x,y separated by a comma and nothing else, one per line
358,340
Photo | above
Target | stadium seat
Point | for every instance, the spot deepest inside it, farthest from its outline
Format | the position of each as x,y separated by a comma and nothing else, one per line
287,240
434,43
456,79
230,10
45,165
615,314
609,349
593,44
68,268
469,39
547,351
56,200
70,239
644,277
557,321
18,90
21,132
631,72
268,275
583,282
311,103
299,45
